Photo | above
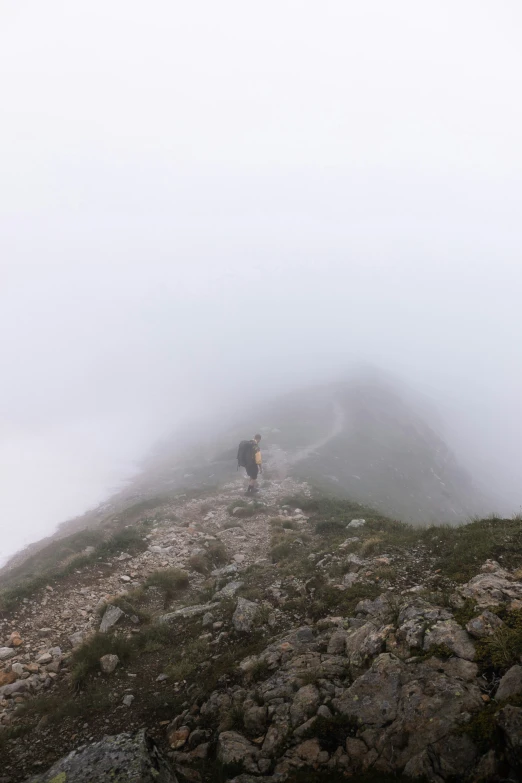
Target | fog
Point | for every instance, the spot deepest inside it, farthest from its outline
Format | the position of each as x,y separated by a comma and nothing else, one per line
204,202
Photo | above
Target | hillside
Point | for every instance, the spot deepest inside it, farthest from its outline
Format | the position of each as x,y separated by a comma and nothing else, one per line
281,639
302,636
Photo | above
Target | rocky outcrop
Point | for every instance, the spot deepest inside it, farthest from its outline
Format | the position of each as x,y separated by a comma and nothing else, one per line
125,757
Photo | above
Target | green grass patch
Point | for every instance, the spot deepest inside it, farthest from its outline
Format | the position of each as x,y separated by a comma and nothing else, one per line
503,648
86,658
170,582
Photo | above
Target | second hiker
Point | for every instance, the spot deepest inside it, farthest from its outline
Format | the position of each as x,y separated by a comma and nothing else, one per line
249,457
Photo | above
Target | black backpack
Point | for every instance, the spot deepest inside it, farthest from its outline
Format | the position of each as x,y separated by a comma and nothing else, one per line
245,454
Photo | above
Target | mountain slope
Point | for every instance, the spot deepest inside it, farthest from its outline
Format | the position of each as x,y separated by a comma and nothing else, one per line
261,639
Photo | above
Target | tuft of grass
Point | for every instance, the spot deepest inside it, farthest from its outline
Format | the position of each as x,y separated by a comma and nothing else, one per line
370,546
200,563
156,637
214,556
11,733
503,648
217,553
330,527
260,671
281,551
188,660
86,658
170,581
130,604
55,709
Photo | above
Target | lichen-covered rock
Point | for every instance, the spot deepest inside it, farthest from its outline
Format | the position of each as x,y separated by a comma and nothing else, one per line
304,705
228,591
233,748
449,634
492,588
124,758
362,644
404,710
484,625
245,615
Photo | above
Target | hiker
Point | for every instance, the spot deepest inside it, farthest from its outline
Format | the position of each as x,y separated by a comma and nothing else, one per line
249,457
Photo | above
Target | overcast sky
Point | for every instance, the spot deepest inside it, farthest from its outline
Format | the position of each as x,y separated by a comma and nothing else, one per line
197,195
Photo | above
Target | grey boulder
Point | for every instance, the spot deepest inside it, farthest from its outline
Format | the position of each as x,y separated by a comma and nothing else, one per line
110,618
130,757
244,616
510,684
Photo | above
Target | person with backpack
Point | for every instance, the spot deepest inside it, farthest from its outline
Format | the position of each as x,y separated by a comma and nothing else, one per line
249,457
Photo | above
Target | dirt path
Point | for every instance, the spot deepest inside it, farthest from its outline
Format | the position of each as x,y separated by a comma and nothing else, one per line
279,460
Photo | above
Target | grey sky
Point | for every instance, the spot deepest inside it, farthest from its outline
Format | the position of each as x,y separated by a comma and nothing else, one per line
346,175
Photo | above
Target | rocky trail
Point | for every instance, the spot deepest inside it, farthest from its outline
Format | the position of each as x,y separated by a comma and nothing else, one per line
276,639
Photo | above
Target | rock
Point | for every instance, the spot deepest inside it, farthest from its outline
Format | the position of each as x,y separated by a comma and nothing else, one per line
16,687
125,578
187,611
128,699
15,640
509,719
244,616
412,714
44,659
162,677
76,639
491,589
207,620
362,644
227,570
111,616
484,625
45,632
451,635
309,751
233,748
337,643
488,768
324,712
7,678
6,653
255,720
304,705
356,523
451,759
239,558
108,663
135,756
177,738
228,591
510,684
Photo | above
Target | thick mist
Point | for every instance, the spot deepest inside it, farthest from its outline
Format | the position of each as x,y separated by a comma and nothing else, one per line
204,203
